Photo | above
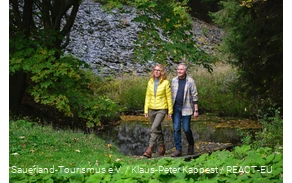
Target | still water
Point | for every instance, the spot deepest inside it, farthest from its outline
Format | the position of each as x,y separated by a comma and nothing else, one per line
132,137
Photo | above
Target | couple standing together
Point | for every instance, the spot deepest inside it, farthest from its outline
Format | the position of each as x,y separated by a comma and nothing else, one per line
179,101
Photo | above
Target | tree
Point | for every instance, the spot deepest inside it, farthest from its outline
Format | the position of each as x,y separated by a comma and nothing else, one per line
255,42
34,24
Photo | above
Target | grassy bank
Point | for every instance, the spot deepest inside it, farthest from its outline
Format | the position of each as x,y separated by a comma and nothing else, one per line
43,154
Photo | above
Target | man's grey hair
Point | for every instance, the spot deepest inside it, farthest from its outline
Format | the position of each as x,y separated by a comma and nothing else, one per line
186,67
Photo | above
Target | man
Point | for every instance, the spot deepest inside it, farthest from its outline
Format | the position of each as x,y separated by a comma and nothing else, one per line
185,104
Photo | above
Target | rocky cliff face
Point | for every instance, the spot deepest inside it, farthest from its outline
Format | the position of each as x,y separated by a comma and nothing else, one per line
106,40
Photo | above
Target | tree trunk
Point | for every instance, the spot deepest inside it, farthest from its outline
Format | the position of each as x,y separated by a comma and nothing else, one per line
16,90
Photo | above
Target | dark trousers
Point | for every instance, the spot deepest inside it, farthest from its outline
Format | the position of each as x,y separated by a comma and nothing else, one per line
184,121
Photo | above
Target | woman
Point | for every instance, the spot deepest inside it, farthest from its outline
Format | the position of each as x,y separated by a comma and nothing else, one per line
158,103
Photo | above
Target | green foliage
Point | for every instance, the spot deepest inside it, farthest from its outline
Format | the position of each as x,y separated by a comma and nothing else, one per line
254,42
271,133
62,84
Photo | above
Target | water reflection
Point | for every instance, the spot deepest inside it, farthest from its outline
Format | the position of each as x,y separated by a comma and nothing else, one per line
132,137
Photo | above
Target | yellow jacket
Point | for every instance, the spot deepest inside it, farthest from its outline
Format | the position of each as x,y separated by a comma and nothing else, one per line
163,98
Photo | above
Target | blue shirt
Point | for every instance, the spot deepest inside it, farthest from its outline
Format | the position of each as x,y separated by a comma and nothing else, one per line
179,100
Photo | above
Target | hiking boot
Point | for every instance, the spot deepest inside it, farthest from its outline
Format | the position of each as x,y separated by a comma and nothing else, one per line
176,153
161,151
191,150
148,152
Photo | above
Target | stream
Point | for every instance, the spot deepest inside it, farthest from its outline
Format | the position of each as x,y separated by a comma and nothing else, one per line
131,136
